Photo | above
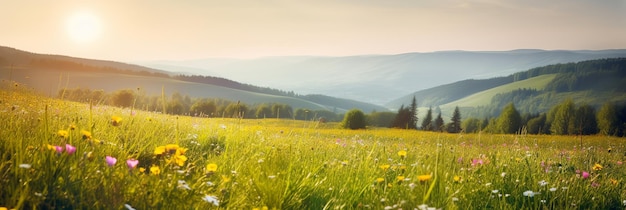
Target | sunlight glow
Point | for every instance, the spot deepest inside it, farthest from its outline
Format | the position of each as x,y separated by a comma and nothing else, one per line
83,27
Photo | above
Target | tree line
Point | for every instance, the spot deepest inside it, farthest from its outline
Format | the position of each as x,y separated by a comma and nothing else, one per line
179,104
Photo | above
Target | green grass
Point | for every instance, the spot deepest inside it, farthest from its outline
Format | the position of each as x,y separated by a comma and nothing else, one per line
483,98
286,164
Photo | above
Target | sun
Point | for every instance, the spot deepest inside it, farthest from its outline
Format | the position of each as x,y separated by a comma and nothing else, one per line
83,27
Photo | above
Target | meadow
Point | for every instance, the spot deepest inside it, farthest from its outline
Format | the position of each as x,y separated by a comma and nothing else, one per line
64,155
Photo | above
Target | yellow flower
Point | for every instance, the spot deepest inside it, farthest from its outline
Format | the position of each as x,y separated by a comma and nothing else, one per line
456,178
384,167
423,178
210,168
400,178
72,127
116,120
402,153
159,150
171,148
4,208
380,179
86,134
181,151
597,167
225,179
155,170
50,147
63,133
142,169
614,181
179,159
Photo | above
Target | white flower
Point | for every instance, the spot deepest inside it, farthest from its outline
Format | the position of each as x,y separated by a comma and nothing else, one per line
530,193
495,191
210,184
129,207
388,207
455,199
624,202
211,199
503,174
422,207
488,184
553,189
25,166
271,176
182,184
543,183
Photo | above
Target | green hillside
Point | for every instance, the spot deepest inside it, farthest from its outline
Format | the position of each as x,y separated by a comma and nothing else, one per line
483,98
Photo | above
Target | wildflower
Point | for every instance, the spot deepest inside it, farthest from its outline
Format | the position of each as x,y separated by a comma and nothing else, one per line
159,150
132,163
171,148
59,149
155,170
89,156
495,191
552,189
380,179
116,120
400,178
183,184
70,149
25,166
211,168
129,207
110,160
423,178
384,167
543,183
529,193
402,153
614,181
595,184
503,174
585,174
142,169
476,162
179,159
211,199
181,151
597,167
86,134
63,133
456,178
619,163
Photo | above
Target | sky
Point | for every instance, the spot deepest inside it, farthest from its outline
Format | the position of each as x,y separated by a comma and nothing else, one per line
145,30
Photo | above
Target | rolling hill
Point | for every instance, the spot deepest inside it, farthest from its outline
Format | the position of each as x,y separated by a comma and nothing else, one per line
378,79
50,73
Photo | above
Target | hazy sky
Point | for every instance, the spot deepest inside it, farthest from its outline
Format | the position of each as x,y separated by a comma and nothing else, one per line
138,30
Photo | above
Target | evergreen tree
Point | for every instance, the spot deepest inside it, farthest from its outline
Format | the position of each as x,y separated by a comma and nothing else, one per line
509,120
438,124
427,123
455,121
412,124
402,118
607,119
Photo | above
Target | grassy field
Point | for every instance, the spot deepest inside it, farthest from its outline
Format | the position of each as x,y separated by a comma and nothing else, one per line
64,155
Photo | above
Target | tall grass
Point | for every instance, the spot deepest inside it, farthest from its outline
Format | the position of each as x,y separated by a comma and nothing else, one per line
286,164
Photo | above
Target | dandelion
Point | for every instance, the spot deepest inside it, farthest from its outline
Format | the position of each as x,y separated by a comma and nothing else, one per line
597,167
211,168
385,167
585,174
179,159
142,169
155,170
86,134
70,149
116,120
171,148
402,153
456,178
211,199
424,178
380,180
63,133
132,163
400,178
110,160
159,150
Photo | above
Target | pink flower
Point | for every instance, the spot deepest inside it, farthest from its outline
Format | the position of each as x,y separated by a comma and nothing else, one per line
70,149
132,163
110,160
59,149
619,162
477,162
585,174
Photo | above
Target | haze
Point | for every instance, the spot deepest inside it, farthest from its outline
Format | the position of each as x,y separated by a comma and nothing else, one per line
146,30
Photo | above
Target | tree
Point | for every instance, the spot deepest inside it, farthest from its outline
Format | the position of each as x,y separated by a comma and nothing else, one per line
509,120
584,122
455,121
381,119
563,115
471,125
402,118
263,111
607,119
438,124
354,119
123,98
537,125
427,123
412,124
203,108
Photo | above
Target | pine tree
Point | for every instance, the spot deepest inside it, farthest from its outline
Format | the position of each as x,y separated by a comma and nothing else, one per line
455,121
438,125
412,123
427,123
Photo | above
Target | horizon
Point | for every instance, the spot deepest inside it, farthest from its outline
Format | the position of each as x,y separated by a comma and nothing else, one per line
149,31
